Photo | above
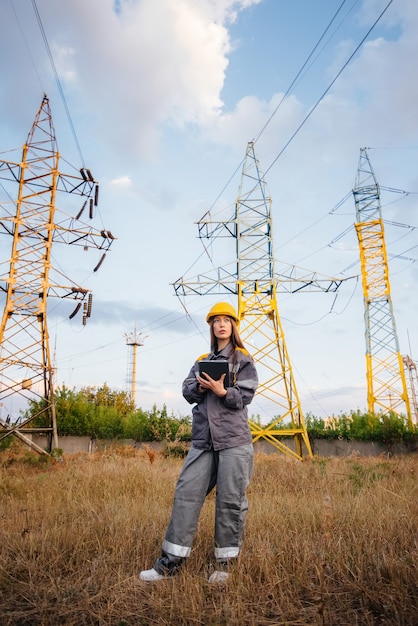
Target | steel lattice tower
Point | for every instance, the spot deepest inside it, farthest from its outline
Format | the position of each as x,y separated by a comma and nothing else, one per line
133,340
412,383
258,312
386,381
28,278
255,283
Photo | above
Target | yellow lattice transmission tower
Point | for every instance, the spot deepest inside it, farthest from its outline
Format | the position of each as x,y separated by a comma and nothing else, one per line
28,277
254,281
386,382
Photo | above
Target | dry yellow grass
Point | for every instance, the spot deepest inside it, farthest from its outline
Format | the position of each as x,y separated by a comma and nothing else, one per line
329,542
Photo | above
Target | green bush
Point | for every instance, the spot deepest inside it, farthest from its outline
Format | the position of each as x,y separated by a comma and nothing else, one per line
103,413
316,428
106,423
384,428
136,426
74,413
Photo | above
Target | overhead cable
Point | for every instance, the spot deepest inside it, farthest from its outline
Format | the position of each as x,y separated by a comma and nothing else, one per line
60,89
299,72
329,86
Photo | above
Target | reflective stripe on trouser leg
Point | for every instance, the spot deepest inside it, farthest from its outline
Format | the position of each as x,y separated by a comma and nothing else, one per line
197,478
235,467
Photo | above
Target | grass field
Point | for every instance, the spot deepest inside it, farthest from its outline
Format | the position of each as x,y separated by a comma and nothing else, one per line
331,541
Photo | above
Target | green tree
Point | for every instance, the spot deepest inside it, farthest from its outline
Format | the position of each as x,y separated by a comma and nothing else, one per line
74,414
105,396
136,425
106,423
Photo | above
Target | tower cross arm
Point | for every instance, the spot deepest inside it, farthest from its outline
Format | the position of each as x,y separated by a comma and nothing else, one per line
83,184
79,185
208,228
86,237
295,280
9,171
220,281
204,284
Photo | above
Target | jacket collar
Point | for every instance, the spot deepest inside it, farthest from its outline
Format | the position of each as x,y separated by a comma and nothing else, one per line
225,353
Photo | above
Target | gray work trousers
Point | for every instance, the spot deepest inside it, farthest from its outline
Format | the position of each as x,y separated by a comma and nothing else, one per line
230,470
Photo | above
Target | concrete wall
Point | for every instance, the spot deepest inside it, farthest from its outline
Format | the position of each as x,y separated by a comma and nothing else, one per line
320,447
340,447
323,447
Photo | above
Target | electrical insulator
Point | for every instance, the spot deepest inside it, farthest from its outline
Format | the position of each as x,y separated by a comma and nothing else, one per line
100,262
89,303
76,310
77,217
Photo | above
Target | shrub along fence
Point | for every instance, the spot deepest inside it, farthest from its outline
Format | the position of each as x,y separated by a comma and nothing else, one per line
97,417
70,444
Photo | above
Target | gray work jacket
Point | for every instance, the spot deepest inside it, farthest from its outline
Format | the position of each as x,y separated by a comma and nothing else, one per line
222,422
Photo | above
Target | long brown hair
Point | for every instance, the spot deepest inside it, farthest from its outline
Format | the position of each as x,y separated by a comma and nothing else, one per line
235,338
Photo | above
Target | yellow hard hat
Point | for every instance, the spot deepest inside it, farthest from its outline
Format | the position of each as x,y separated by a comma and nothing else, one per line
222,308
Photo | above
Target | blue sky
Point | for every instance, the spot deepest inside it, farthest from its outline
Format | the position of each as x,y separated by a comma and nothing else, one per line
164,96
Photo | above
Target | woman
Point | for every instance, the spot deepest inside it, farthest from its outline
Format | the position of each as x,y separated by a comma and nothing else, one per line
221,453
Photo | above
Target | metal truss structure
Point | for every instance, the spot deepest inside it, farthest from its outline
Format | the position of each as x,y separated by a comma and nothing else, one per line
28,277
133,340
386,382
412,384
255,283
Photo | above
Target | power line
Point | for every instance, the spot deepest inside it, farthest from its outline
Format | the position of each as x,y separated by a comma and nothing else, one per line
60,89
26,44
299,72
329,86
316,104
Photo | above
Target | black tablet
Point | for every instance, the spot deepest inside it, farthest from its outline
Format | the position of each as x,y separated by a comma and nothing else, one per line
215,369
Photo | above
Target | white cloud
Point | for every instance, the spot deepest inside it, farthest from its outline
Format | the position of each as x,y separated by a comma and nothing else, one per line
122,181
154,62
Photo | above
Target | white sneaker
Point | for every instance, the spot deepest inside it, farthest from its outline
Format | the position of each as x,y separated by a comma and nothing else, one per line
150,575
218,578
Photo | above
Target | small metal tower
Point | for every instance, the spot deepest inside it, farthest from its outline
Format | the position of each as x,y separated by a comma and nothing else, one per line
254,281
133,340
412,384
386,382
28,277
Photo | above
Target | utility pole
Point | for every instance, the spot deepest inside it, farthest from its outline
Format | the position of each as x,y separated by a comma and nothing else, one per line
386,382
28,278
133,340
254,282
